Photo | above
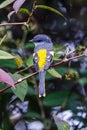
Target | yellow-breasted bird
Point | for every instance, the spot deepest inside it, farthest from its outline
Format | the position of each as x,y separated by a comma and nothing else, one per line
42,57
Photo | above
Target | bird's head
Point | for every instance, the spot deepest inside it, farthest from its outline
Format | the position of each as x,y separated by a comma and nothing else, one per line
41,38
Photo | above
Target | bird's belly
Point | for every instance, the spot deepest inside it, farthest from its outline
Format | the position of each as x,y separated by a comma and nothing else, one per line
42,53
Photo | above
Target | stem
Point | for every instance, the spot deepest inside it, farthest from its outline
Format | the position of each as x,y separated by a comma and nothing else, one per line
50,9
54,65
66,60
9,24
19,81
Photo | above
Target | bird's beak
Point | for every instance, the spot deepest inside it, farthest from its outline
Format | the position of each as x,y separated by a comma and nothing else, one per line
31,40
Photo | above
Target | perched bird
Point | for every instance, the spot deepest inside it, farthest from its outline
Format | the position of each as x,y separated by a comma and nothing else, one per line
42,57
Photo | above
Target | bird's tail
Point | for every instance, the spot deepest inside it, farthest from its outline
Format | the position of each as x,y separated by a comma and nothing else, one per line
41,83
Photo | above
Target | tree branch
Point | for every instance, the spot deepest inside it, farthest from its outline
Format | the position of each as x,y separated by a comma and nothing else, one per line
67,59
18,81
9,24
53,65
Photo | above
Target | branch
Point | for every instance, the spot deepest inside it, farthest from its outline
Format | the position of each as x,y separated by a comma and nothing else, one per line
67,59
18,81
53,65
9,24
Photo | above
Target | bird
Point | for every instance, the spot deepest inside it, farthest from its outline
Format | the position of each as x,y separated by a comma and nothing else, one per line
42,58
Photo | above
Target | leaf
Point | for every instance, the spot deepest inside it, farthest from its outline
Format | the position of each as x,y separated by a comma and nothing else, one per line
62,70
5,55
4,37
19,61
54,73
30,61
31,91
56,57
28,45
50,9
8,63
55,98
4,77
61,125
33,114
21,88
17,4
6,3
24,10
58,98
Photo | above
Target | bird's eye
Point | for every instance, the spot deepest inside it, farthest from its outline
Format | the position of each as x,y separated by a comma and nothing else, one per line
39,40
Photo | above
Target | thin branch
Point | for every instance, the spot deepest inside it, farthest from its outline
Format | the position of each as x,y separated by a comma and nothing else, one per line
10,24
33,9
20,71
18,81
67,59
54,65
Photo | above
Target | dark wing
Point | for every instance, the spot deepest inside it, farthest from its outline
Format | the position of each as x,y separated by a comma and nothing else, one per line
48,61
35,61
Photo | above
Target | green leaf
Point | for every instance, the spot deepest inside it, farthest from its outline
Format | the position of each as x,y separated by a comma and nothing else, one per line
54,73
24,10
30,61
56,57
6,3
29,45
21,88
8,63
61,125
16,62
5,55
62,70
31,91
58,98
55,98
33,114
50,9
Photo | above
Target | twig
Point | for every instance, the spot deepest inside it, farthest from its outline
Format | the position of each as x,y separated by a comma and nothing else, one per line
18,81
33,9
9,24
67,59
23,69
54,65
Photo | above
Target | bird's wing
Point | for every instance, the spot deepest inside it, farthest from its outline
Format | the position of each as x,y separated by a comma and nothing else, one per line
35,60
48,60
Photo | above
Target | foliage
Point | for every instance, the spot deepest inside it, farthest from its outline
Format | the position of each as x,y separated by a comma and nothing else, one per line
66,79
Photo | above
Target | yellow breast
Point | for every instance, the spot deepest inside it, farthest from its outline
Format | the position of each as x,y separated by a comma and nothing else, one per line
42,58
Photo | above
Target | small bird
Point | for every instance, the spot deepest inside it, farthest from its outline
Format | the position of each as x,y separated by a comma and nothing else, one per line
42,58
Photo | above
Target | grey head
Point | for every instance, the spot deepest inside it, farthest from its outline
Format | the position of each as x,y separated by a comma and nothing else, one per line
42,41
41,38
